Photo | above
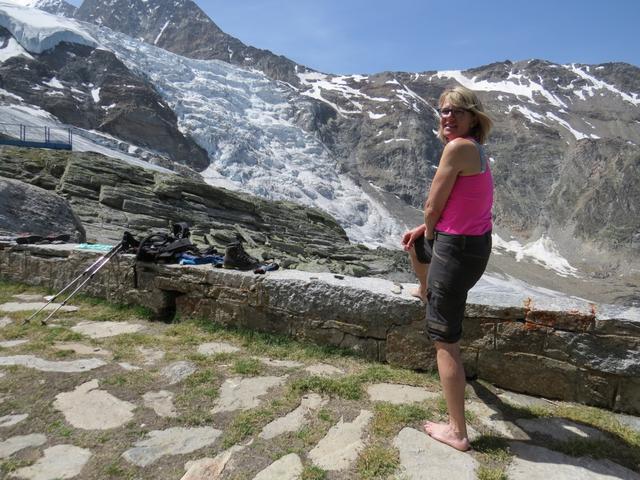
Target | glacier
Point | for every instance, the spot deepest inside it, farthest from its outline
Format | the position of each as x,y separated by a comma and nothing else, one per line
244,120
37,31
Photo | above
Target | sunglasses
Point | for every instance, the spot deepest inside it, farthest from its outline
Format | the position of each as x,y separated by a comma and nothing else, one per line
447,112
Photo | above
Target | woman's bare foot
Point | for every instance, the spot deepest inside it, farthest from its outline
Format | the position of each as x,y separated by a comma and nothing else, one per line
418,293
443,432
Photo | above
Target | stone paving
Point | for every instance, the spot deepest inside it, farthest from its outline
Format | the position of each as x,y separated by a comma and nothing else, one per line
82,399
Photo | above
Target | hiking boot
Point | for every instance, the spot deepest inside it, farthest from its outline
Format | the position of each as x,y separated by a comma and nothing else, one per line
236,257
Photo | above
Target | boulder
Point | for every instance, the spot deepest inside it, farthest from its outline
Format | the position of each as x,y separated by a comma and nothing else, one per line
26,208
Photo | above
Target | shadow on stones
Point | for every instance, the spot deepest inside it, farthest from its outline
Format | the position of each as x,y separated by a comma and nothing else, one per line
615,448
166,309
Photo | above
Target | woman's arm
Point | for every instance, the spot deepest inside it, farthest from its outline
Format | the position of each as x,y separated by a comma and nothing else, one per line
452,162
410,236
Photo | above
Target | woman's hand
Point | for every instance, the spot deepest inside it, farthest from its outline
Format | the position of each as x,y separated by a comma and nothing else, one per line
410,236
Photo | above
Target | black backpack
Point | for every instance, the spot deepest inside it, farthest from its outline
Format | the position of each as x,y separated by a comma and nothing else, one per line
162,248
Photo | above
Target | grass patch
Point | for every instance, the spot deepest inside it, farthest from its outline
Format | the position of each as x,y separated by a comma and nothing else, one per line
349,387
494,456
312,472
10,465
271,345
101,310
494,449
491,473
245,424
389,419
59,428
378,373
9,289
137,381
377,462
247,366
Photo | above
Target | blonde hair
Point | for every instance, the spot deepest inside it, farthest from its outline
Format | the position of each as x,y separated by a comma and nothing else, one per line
461,97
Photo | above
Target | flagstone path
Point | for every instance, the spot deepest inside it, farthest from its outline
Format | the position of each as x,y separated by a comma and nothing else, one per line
85,401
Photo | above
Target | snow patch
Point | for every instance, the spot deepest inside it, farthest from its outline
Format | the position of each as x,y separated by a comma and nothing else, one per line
54,83
516,84
542,252
597,84
155,42
13,49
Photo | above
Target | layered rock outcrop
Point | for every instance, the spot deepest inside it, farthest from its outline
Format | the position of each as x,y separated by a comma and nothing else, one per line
110,196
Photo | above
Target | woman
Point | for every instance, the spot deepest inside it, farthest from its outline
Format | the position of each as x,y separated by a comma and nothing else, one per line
451,249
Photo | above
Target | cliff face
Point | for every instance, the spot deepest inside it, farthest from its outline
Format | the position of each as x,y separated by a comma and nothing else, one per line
182,27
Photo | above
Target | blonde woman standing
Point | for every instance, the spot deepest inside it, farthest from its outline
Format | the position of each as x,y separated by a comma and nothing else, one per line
451,249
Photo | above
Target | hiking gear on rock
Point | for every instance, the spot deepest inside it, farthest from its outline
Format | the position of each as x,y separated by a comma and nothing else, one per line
28,239
269,267
162,248
181,230
236,257
187,259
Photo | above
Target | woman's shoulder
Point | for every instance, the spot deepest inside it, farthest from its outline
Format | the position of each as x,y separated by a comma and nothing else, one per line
461,145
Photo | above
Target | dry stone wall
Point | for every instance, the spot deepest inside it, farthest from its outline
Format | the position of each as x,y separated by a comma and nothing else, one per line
579,354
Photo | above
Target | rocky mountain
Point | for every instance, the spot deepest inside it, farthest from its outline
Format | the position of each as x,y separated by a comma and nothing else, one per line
57,7
182,27
363,148
92,89
380,128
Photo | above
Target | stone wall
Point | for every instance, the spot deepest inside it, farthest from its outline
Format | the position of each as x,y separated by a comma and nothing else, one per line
585,353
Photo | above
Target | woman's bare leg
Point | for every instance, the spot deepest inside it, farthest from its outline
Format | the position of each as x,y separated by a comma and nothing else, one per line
453,383
421,270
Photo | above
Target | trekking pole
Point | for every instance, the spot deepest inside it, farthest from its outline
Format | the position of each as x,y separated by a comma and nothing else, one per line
103,262
87,270
104,259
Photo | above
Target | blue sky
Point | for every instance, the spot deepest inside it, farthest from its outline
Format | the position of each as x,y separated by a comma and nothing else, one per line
367,36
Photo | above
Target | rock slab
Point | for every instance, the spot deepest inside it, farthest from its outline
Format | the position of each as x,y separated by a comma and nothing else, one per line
161,402
213,348
294,419
288,467
69,366
399,394
11,420
173,441
559,429
423,457
19,442
342,444
210,468
178,371
92,409
239,393
106,329
26,307
58,462
538,463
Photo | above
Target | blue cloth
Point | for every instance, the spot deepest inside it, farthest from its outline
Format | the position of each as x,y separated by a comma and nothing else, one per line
96,247
188,259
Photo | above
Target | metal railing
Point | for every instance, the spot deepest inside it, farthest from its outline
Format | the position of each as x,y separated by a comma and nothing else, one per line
60,138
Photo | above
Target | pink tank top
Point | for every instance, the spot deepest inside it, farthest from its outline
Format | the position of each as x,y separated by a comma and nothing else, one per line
468,208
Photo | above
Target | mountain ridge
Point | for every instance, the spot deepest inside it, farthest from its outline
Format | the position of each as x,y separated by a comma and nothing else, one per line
379,129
